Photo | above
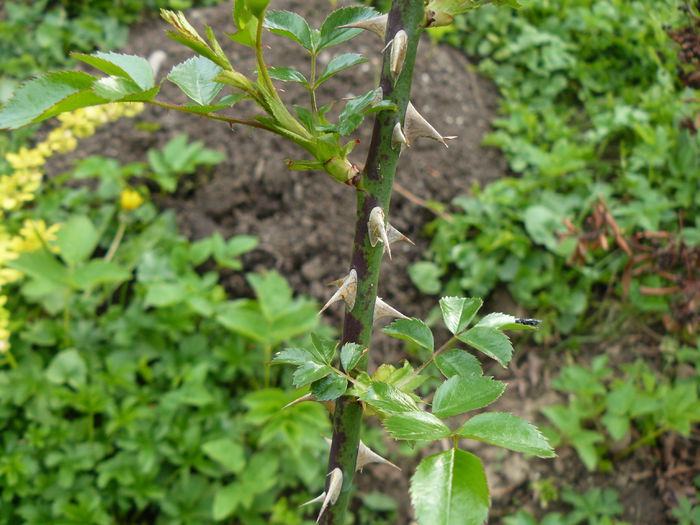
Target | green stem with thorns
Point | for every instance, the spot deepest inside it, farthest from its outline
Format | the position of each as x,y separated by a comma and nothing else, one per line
376,187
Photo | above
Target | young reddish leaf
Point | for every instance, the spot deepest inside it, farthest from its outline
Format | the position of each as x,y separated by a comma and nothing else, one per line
458,312
490,341
416,426
388,398
450,488
457,362
413,330
460,394
507,431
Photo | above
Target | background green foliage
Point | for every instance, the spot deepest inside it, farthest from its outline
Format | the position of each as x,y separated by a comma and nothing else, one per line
135,395
591,110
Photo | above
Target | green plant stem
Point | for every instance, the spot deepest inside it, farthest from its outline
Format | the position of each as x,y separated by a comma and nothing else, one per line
643,440
185,109
262,68
377,180
435,354
116,241
312,85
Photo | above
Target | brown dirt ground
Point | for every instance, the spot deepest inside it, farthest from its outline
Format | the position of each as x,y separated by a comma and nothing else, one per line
305,224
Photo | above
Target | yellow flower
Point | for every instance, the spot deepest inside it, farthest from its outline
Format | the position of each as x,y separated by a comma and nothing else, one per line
33,235
25,158
130,199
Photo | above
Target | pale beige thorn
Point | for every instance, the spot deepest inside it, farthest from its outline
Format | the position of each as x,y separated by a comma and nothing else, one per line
366,455
302,399
416,126
317,499
382,310
397,137
378,96
377,229
346,292
395,235
376,25
334,486
399,45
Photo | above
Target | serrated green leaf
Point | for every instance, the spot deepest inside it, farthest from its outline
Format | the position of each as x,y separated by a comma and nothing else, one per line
226,501
115,88
310,372
77,239
388,398
227,452
457,362
41,265
460,394
503,322
323,349
195,78
458,312
98,271
329,388
273,293
490,341
350,355
338,64
450,488
507,431
413,330
48,95
331,32
457,7
290,25
416,426
293,356
404,378
287,74
67,367
131,67
353,113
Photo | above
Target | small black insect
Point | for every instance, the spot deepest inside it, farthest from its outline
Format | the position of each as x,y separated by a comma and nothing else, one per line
528,322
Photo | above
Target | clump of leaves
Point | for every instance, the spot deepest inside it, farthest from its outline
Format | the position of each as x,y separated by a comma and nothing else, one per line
575,133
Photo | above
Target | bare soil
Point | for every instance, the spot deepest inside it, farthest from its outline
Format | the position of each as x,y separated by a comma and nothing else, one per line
305,224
